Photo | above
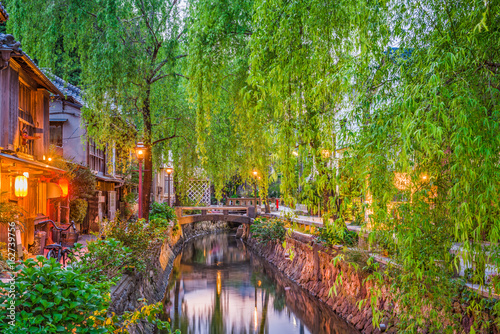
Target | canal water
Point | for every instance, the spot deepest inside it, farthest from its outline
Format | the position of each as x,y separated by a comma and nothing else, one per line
219,286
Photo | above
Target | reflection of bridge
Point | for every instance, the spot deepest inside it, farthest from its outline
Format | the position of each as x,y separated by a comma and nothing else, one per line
234,214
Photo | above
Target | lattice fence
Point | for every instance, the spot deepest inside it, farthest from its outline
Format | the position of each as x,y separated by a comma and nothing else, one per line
199,191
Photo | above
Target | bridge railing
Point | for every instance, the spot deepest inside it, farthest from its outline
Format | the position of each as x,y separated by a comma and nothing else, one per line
250,202
209,213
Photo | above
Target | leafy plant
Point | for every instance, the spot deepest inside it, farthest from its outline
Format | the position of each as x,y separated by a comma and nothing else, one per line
78,210
53,299
138,237
162,215
9,212
494,280
266,229
105,260
332,234
67,300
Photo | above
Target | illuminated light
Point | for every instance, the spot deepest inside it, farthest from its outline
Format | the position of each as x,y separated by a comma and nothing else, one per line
21,186
64,184
169,170
219,283
424,177
43,158
140,150
255,323
26,174
255,173
259,283
50,159
295,153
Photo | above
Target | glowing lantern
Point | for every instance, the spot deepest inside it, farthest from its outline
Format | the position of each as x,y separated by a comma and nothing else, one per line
63,183
21,186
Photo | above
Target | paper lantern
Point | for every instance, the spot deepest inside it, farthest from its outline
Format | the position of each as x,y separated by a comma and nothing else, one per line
64,184
21,186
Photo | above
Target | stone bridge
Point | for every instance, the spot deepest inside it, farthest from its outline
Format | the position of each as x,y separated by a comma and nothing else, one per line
233,214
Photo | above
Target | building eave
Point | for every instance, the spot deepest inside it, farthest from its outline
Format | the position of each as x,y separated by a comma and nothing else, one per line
33,164
29,66
4,16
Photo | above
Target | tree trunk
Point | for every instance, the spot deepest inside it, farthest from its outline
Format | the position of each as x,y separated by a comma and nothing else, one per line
147,183
148,160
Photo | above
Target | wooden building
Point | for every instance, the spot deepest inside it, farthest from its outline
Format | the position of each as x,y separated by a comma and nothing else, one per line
24,138
68,135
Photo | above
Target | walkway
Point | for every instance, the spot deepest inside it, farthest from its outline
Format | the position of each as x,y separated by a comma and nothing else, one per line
307,220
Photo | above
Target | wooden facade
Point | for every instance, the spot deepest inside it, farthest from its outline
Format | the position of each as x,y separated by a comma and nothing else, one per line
24,139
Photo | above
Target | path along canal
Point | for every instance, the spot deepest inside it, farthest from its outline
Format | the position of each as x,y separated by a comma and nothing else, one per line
219,286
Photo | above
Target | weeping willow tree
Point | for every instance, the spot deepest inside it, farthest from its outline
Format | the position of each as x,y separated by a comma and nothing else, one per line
130,56
281,68
409,91
428,135
218,65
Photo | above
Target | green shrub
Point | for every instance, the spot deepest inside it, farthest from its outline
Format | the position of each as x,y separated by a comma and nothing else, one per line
105,260
265,230
139,237
332,234
53,299
162,215
162,210
78,210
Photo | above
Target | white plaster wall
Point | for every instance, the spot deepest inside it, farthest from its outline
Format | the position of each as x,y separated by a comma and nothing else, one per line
74,145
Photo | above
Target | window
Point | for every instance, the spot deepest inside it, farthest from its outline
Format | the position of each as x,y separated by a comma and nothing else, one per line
25,104
26,120
56,133
96,158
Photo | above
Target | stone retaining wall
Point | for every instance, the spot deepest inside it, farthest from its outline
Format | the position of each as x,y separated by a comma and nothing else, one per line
151,285
313,269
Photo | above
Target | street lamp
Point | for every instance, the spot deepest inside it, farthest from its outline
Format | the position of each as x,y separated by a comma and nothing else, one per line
169,171
140,152
255,190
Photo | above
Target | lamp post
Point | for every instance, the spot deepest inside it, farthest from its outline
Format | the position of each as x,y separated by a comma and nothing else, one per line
169,171
255,189
140,152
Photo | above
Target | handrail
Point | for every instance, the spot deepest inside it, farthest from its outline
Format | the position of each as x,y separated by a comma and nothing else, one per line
239,213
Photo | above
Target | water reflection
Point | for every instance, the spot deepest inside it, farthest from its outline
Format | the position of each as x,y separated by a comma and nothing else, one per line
217,286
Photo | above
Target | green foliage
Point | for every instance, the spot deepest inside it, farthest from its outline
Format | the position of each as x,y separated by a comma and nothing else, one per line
78,210
140,239
4,255
321,78
105,260
93,38
268,229
162,213
69,300
9,212
331,235
83,183
287,88
53,299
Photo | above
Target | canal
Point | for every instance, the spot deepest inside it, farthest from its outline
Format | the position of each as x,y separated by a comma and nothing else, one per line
219,286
